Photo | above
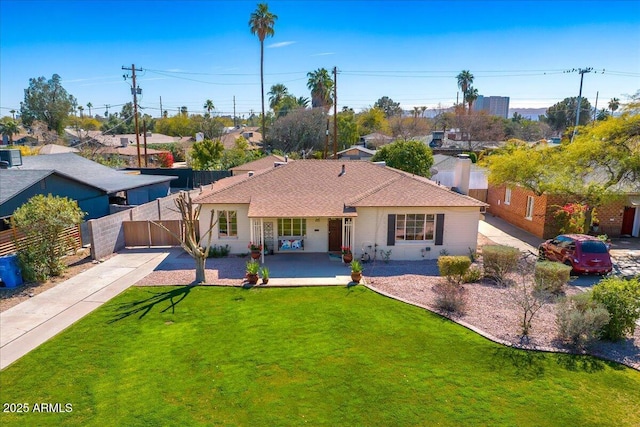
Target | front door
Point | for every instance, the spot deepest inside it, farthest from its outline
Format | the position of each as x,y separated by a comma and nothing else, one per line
335,235
627,221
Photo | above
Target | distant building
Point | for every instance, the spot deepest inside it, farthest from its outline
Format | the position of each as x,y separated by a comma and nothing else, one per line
494,105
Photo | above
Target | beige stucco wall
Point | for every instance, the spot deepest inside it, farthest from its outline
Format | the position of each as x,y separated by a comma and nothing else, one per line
460,232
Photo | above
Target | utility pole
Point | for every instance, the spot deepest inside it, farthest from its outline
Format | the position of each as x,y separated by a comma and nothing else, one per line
144,130
335,112
160,107
135,91
234,111
595,108
582,72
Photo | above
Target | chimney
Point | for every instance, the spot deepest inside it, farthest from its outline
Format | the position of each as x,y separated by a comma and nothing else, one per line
462,174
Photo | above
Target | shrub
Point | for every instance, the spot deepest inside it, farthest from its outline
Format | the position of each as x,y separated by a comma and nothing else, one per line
43,220
472,275
551,276
166,159
580,320
218,251
454,267
450,297
621,298
499,260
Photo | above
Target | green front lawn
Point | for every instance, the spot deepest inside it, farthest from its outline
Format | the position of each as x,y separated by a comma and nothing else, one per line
321,356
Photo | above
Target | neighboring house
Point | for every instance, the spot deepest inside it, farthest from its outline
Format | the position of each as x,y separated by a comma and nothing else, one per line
19,139
94,186
356,152
321,205
262,163
130,153
375,139
251,134
536,214
445,174
98,138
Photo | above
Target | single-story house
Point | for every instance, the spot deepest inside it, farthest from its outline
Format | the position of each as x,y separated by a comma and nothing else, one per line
375,139
251,134
537,214
91,184
262,163
99,139
356,152
323,205
56,149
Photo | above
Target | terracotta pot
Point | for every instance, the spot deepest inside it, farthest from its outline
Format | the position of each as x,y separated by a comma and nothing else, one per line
356,277
347,258
265,281
252,278
255,254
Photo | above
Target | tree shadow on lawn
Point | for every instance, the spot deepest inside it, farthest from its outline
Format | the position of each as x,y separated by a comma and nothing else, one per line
174,296
528,364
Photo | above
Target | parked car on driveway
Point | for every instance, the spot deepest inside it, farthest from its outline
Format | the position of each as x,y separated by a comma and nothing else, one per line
584,254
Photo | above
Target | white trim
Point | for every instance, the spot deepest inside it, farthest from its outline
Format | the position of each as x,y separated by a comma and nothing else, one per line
528,213
507,196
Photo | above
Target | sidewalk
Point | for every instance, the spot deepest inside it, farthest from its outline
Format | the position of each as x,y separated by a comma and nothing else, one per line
31,323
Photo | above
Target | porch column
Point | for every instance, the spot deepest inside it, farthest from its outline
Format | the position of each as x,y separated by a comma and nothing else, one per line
348,226
262,239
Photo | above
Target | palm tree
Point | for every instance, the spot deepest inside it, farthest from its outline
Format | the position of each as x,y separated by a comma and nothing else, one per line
471,96
89,106
465,79
277,93
423,109
614,104
261,24
81,109
9,128
13,114
321,85
184,111
208,105
302,101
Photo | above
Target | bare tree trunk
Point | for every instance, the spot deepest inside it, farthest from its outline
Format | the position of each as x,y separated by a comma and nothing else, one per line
200,269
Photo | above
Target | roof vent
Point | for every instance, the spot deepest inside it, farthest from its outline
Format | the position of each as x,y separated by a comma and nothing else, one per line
343,171
382,163
276,164
250,173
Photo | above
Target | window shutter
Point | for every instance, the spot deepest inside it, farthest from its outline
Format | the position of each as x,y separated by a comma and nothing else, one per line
439,229
391,230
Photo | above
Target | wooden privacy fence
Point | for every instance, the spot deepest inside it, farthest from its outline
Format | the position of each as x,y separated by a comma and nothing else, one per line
8,237
146,233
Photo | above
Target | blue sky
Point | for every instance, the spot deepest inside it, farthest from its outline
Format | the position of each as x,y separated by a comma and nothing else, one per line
411,51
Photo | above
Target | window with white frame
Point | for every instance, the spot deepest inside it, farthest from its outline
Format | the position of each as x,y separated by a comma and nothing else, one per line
415,227
507,196
227,224
292,227
529,212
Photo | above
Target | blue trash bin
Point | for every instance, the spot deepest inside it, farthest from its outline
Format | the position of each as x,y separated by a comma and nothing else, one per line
10,271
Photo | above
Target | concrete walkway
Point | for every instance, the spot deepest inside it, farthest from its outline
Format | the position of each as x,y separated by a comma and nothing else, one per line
503,233
31,323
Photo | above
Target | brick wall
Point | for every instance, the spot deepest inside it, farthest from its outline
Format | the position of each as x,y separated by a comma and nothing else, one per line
514,212
544,223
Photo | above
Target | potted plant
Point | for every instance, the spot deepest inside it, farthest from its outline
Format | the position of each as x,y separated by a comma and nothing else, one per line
252,271
255,250
347,256
356,271
264,272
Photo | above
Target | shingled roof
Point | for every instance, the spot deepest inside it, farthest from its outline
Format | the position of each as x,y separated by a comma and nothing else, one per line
89,172
319,188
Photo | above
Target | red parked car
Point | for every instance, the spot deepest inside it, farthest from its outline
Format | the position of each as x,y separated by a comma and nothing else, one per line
584,254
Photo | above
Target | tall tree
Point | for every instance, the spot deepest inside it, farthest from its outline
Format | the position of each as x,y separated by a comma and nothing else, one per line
562,115
321,86
206,154
276,95
261,24
81,110
208,105
614,104
9,128
389,107
347,128
410,156
300,130
471,96
90,106
465,80
47,101
601,160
